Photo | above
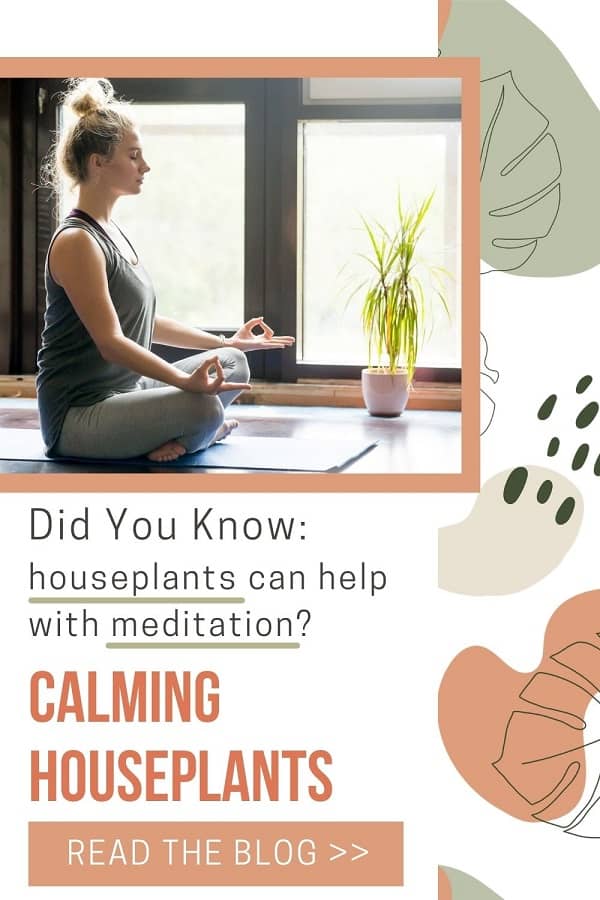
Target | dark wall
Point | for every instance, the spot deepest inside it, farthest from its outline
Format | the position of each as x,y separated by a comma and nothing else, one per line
6,248
19,313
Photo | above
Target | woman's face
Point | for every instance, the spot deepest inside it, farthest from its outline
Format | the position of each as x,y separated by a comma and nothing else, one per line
123,173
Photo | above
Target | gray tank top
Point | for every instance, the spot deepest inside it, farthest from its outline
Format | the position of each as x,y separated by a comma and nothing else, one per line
71,371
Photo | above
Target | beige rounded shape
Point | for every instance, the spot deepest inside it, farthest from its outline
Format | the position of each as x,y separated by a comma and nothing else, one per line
384,394
502,548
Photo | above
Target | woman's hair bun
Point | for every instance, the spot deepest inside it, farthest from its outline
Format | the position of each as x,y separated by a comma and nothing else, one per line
88,95
100,123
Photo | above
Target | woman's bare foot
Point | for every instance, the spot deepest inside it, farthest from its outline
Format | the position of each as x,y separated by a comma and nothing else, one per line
225,429
167,452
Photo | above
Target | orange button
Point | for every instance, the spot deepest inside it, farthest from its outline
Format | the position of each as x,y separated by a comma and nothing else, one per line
216,853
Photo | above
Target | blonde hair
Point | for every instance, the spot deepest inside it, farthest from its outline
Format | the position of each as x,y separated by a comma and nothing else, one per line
101,123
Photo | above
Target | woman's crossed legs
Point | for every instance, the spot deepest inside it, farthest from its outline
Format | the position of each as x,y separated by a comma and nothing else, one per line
138,422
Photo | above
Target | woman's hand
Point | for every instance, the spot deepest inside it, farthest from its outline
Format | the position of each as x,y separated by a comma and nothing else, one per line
245,338
203,381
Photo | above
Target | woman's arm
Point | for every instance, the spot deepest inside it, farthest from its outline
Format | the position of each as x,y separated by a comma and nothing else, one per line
176,334
77,264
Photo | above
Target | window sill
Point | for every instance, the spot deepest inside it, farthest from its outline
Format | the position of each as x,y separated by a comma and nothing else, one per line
425,395
17,386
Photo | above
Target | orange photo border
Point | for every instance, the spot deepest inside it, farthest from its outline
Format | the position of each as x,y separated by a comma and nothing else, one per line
468,479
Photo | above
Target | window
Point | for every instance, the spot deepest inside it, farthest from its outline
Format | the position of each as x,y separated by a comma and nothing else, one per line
349,169
254,201
346,149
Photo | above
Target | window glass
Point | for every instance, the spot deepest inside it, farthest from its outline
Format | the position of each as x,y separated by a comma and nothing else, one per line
381,90
188,224
349,169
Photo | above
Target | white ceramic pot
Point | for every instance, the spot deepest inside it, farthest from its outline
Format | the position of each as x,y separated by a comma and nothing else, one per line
384,394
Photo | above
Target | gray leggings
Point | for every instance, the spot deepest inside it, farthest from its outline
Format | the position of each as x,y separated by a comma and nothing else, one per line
135,422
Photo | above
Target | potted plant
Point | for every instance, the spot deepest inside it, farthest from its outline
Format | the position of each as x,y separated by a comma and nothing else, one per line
396,308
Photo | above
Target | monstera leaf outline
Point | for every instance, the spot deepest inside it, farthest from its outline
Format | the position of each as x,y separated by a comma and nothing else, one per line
520,175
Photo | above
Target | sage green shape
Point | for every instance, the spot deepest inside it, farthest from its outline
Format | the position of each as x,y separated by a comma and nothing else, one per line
581,455
547,407
466,888
587,415
515,484
583,384
540,144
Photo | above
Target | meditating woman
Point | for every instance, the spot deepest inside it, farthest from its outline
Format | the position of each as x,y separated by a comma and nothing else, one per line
102,392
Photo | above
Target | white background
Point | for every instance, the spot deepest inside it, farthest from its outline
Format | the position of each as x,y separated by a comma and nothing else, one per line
234,28
364,682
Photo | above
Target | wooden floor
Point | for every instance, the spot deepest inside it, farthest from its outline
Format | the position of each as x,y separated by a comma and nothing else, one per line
419,441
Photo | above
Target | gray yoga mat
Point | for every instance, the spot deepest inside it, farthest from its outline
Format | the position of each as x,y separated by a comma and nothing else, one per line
236,452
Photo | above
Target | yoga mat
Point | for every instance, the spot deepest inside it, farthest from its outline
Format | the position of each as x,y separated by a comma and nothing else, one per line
236,452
